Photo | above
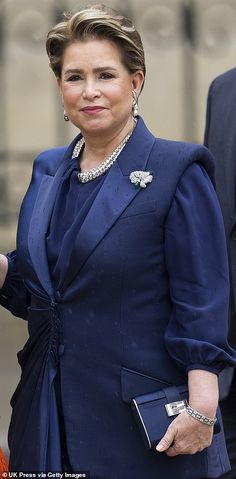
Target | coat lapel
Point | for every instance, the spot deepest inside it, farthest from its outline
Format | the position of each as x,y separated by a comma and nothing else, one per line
114,196
40,219
37,233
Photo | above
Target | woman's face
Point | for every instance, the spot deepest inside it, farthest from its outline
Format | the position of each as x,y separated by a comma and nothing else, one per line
97,88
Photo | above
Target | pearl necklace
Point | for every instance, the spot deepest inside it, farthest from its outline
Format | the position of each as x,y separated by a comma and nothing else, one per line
90,175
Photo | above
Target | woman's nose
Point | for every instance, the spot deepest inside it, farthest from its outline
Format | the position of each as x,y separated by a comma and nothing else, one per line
90,90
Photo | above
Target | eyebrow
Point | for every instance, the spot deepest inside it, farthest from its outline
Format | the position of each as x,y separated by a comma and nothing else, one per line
96,70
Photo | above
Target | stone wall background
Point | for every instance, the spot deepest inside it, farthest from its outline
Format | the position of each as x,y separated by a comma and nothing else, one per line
187,43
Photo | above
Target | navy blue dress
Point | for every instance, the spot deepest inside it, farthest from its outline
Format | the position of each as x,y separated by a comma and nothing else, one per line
73,202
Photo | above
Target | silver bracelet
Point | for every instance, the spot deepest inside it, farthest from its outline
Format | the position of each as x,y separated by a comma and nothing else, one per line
200,417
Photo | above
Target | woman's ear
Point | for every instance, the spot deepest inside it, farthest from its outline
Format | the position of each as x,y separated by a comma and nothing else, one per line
137,81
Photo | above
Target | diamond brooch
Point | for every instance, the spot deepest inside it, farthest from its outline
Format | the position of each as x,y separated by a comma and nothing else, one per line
141,178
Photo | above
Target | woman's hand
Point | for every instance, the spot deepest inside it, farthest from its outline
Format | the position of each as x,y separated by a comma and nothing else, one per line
3,269
187,435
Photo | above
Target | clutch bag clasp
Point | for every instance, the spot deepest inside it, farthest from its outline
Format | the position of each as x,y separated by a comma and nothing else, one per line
174,408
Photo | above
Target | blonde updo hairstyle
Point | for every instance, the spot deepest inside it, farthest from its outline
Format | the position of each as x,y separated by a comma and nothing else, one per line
96,22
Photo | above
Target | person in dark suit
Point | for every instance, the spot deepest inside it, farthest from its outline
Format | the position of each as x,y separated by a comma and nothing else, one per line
220,138
121,271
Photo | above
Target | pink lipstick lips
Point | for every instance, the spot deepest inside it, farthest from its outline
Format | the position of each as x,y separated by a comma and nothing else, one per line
92,110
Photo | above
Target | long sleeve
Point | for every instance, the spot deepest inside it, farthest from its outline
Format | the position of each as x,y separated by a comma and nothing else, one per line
196,336
14,295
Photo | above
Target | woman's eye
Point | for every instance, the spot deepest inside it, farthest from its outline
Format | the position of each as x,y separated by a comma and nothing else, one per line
74,78
106,76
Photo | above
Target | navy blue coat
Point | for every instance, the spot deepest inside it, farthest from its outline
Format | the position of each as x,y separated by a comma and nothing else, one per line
138,305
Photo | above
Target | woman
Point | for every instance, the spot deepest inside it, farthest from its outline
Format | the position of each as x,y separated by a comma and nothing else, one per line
121,273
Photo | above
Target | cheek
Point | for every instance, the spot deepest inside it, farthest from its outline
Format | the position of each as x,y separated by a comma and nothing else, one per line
70,95
120,95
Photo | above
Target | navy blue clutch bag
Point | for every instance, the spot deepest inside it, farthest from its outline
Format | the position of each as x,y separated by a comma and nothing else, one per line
155,411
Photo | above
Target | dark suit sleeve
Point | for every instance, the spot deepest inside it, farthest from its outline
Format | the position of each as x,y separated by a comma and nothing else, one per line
14,295
196,336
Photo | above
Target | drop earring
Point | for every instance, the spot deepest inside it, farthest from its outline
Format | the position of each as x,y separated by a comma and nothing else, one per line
66,118
135,104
